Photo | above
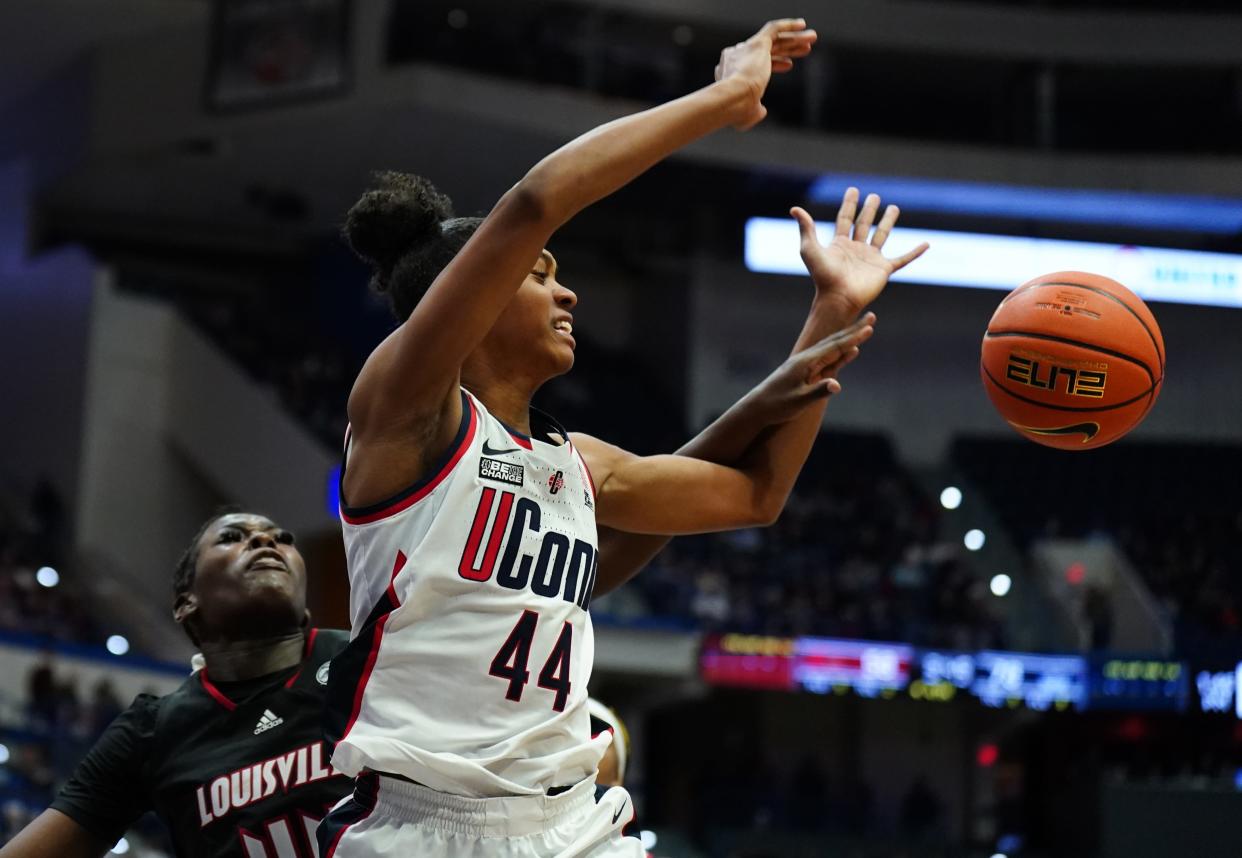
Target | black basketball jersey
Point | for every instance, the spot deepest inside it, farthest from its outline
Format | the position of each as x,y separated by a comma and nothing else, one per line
238,770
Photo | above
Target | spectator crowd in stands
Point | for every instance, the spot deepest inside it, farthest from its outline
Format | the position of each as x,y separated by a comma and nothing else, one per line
855,554
32,537
45,734
45,729
1171,508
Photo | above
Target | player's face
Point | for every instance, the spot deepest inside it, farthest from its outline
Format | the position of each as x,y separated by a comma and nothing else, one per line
250,581
538,323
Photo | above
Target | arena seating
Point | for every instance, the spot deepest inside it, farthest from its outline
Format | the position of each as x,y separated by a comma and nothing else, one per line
1172,508
855,554
43,735
48,719
32,536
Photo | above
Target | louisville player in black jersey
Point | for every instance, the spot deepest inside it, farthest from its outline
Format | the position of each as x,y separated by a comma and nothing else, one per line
233,761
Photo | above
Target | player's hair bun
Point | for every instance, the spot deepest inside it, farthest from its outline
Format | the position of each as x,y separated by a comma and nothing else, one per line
397,216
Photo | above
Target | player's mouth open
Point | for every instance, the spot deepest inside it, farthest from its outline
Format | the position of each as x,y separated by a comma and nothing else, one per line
564,327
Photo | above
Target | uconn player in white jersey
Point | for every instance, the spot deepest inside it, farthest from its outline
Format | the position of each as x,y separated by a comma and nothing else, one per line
470,520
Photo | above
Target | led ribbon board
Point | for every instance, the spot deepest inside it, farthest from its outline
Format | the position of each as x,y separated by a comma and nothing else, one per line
1217,689
748,661
1039,681
1138,683
869,668
1004,262
1001,679
995,678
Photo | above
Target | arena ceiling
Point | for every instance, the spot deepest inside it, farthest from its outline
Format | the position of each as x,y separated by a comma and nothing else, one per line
39,36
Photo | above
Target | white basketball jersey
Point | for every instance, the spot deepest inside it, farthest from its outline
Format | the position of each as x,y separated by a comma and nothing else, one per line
471,643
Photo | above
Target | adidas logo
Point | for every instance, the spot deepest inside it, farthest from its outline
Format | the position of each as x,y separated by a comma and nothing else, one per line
267,722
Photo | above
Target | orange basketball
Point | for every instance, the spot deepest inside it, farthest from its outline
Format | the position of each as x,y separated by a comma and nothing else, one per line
1072,360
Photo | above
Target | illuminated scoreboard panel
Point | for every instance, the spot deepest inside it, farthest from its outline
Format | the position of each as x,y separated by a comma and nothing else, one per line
869,668
818,665
1003,679
1040,681
1216,689
943,676
748,661
1139,683
994,678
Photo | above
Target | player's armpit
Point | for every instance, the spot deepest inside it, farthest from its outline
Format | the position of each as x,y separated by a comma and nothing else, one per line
54,835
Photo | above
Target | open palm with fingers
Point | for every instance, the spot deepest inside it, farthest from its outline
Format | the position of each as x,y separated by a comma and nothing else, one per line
850,268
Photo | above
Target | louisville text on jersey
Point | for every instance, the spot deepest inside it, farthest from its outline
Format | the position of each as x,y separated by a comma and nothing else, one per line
258,781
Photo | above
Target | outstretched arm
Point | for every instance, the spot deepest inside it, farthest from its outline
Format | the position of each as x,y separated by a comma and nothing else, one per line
408,387
846,273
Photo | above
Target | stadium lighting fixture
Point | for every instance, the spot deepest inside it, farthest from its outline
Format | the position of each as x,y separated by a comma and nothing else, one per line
1004,262
951,497
974,539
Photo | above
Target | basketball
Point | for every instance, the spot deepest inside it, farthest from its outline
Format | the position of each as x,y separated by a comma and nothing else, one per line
1072,360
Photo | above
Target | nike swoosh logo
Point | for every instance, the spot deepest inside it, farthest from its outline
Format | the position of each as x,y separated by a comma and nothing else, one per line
488,451
617,815
1090,430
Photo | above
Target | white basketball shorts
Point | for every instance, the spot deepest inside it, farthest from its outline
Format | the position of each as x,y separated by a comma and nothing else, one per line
391,818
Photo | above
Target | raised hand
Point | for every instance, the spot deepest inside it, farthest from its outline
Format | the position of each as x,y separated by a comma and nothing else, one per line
772,49
850,269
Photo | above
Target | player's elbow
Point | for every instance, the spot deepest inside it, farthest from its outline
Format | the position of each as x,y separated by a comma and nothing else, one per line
767,513
766,508
531,202
552,192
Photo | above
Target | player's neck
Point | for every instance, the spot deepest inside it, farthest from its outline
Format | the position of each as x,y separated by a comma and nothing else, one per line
237,660
509,403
